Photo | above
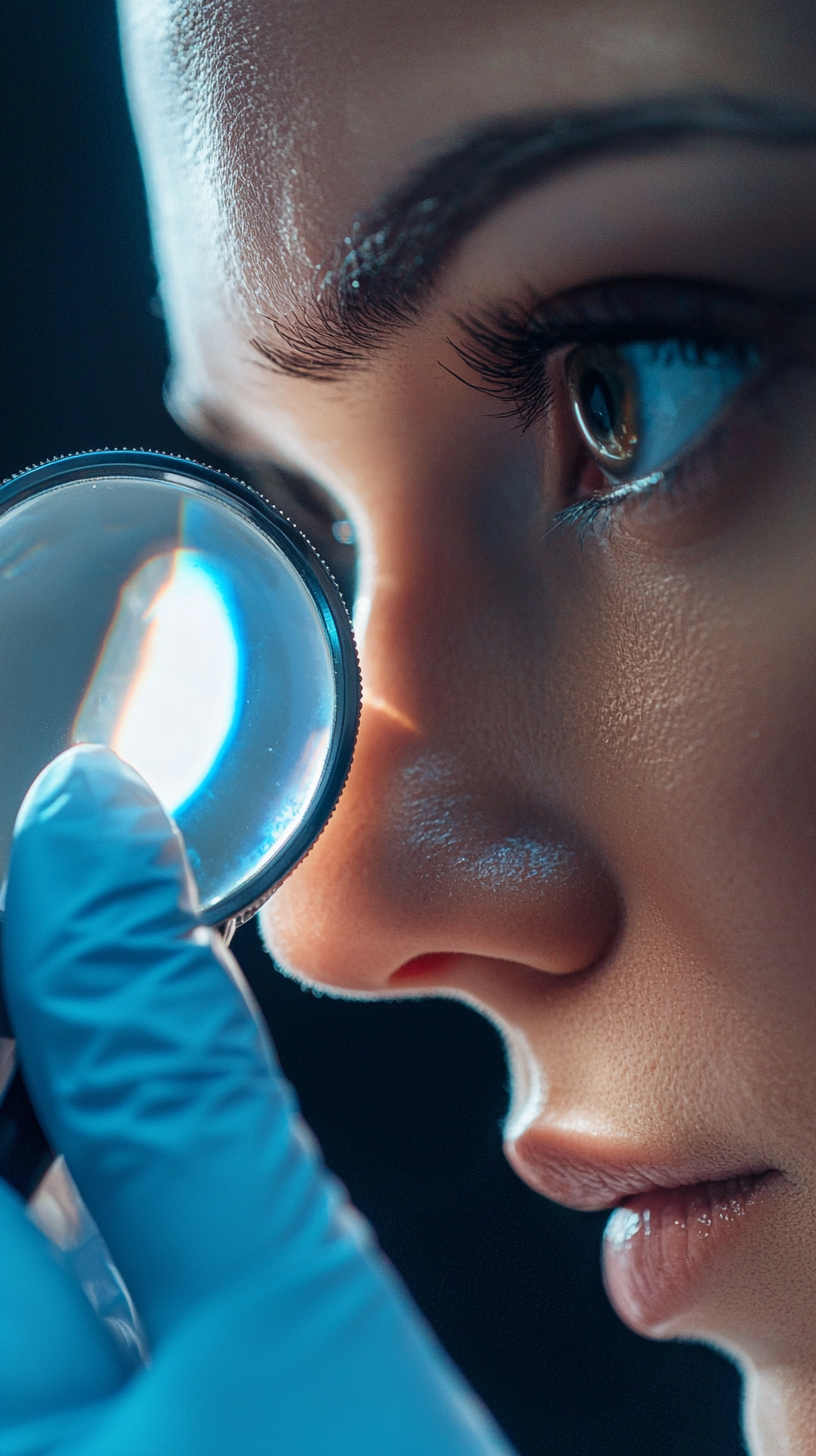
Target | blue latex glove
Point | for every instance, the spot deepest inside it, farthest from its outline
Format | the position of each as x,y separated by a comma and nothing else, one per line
274,1323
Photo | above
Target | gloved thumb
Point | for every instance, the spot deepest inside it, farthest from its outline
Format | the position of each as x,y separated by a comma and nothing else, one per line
143,1058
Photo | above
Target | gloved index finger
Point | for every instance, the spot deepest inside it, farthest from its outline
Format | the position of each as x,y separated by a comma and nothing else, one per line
143,1059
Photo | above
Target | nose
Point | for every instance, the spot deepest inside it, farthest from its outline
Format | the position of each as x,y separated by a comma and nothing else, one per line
452,837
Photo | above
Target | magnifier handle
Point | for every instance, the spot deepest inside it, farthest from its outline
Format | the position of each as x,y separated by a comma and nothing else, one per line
25,1153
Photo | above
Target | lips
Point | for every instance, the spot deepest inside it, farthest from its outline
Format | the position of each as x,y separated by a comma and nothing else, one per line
658,1245
556,1166
669,1222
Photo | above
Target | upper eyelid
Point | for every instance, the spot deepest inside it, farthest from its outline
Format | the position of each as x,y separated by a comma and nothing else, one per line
507,346
653,306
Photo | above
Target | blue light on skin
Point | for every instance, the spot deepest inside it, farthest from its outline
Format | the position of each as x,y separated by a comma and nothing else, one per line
166,688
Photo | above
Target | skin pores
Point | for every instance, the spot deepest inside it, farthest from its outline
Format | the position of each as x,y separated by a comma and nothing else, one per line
584,795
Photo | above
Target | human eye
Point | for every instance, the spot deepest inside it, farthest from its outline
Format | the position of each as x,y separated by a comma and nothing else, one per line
640,406
646,371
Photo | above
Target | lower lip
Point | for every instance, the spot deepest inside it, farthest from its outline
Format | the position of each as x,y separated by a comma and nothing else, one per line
657,1245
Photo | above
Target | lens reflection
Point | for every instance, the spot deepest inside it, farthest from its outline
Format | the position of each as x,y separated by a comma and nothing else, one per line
164,693
164,619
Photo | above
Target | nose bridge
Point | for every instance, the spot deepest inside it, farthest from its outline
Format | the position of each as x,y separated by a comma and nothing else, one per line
446,838
446,645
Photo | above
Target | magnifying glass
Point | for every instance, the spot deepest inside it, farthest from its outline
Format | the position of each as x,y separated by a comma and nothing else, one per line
169,612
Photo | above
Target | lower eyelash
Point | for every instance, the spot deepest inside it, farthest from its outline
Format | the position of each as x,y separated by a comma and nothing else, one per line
579,511
591,515
587,513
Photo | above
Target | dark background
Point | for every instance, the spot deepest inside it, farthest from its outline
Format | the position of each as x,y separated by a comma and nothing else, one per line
406,1099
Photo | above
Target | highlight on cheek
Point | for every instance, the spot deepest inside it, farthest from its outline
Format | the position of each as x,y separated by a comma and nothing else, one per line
381,705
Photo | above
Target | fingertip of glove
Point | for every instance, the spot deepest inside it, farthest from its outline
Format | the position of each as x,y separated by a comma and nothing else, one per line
95,862
87,778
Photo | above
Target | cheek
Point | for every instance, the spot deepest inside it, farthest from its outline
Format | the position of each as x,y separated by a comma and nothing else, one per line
697,764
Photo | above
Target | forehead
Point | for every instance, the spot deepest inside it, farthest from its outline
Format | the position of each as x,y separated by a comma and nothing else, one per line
314,107
266,125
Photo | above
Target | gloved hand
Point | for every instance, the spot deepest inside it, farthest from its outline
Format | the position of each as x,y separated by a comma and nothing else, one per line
274,1323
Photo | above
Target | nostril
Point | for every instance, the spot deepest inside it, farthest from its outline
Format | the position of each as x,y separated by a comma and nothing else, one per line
424,967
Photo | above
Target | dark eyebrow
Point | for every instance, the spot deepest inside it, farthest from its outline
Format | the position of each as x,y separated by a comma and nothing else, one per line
385,266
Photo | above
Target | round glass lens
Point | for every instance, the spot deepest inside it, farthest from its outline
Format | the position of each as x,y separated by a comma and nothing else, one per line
167,612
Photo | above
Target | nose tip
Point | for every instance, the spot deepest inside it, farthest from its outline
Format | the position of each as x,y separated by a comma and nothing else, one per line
426,858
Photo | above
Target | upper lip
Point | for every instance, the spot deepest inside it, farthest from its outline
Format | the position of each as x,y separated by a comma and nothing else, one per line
565,1170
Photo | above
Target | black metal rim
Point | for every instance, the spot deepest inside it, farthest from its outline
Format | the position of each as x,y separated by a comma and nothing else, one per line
324,592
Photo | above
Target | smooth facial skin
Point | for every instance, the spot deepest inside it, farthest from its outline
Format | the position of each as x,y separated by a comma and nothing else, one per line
584,795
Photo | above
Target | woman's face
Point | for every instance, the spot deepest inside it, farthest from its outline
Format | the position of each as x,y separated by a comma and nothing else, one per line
562,383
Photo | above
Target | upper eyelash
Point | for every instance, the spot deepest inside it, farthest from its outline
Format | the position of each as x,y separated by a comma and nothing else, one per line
507,347
506,356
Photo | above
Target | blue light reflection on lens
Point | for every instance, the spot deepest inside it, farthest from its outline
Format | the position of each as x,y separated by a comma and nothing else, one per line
164,694
158,618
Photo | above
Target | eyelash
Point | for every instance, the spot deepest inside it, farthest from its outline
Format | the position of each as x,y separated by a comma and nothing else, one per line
595,514
508,350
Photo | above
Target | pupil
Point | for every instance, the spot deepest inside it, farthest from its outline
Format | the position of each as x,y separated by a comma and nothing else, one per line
598,402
